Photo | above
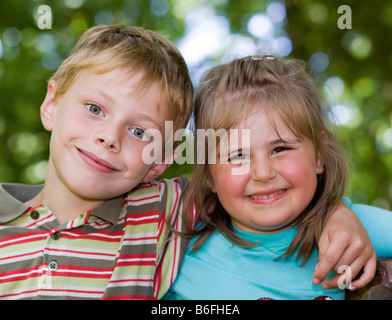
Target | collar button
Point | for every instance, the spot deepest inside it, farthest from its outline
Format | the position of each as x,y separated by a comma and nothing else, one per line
56,235
34,215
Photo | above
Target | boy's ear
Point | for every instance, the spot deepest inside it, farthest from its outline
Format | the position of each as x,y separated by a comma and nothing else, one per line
158,168
155,171
48,106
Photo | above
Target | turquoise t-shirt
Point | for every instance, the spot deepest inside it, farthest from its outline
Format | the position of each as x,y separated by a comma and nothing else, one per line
221,270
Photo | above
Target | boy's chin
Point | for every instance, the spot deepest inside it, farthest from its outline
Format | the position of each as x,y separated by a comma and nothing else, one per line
97,192
100,195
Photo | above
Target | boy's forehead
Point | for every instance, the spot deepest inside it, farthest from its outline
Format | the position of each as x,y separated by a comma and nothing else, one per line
117,76
118,81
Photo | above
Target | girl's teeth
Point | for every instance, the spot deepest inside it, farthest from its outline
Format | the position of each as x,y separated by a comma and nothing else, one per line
265,197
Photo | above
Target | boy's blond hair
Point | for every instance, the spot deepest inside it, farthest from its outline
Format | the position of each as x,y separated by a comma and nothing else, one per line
103,48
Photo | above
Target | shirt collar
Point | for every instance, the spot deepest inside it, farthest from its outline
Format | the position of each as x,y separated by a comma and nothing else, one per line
110,210
13,196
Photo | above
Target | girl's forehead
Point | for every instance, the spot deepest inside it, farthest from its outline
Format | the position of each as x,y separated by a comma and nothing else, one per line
259,117
267,124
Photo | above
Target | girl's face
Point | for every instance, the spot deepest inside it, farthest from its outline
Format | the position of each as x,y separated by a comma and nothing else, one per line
268,183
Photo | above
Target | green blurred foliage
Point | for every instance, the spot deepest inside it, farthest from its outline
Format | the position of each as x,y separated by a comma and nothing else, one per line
362,58
359,59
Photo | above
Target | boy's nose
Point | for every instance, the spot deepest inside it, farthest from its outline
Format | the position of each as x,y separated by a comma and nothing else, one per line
110,145
108,140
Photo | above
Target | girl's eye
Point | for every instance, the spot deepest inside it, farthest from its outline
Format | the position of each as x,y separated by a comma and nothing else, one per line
238,158
280,149
94,109
139,133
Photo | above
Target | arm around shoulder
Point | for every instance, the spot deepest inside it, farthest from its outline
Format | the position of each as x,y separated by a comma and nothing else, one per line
378,224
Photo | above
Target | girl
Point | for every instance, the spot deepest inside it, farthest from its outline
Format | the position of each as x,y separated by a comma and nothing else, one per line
270,195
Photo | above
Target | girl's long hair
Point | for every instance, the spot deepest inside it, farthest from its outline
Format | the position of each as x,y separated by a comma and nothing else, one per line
229,94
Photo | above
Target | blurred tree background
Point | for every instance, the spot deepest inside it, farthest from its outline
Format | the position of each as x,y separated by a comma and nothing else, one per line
352,66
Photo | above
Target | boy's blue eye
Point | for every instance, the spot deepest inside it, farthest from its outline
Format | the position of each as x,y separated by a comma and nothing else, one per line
94,109
139,133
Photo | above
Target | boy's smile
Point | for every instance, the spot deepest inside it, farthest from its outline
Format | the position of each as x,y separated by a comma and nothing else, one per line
97,129
96,162
279,181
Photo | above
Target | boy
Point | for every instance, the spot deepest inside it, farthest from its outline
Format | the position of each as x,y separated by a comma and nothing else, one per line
66,240
84,234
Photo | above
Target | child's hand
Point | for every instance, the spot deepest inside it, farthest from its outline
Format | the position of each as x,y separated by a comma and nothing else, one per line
344,241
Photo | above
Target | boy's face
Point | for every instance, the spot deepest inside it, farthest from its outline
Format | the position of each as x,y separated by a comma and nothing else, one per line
97,129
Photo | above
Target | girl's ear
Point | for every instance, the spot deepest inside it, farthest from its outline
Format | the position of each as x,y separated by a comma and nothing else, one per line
48,106
319,163
212,183
212,187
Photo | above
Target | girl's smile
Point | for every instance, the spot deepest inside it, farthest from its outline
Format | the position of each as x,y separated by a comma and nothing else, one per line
268,196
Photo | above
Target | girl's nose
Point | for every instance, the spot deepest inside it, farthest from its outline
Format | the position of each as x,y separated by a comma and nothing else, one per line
263,170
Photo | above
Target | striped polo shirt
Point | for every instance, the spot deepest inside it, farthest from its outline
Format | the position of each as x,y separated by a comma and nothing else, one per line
119,250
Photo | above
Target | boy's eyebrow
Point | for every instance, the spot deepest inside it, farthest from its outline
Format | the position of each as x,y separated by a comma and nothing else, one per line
146,117
105,95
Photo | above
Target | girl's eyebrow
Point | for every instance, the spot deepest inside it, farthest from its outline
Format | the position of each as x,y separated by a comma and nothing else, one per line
284,141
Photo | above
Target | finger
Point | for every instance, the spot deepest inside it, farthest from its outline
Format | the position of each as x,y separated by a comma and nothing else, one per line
327,262
369,270
323,244
356,257
332,283
346,273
